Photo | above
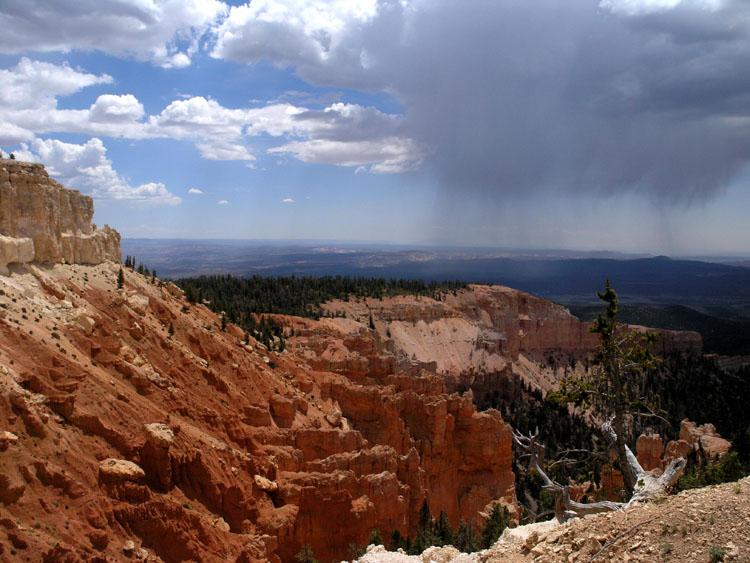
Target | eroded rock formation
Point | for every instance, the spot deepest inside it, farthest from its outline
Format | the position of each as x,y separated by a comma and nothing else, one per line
487,339
227,450
42,221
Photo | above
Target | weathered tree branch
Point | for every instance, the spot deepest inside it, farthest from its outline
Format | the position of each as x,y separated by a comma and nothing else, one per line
565,508
647,487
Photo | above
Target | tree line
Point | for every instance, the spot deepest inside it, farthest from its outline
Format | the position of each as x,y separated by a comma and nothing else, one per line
300,296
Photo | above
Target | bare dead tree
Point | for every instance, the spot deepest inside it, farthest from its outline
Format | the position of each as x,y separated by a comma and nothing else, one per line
647,487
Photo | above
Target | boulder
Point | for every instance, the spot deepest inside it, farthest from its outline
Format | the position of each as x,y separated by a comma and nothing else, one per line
120,470
158,434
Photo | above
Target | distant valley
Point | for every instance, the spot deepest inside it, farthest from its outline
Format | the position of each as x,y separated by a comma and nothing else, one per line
712,298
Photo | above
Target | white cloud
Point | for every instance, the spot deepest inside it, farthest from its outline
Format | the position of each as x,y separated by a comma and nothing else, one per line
392,155
35,84
287,31
340,134
11,134
87,168
638,7
198,117
195,191
287,200
220,150
109,108
222,202
166,32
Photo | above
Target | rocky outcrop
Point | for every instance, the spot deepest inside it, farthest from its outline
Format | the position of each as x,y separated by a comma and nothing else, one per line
485,338
694,438
649,449
197,446
42,221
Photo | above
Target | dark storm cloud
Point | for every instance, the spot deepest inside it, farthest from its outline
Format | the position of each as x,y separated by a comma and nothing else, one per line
515,97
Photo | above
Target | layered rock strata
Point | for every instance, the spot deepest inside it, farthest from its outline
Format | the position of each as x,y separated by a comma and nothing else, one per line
44,222
487,339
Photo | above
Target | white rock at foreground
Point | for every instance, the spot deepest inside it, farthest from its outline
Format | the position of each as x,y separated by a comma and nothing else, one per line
447,554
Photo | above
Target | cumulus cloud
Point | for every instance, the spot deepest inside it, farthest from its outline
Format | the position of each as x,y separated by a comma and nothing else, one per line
86,168
287,200
514,97
166,32
290,31
383,155
195,191
340,134
11,134
109,108
222,202
35,84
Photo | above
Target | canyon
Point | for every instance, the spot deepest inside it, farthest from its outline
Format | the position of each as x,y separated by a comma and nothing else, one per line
133,426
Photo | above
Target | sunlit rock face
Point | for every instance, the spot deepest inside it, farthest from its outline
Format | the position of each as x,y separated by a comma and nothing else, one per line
44,222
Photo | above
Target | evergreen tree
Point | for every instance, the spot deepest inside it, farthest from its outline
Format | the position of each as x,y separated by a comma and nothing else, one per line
612,387
153,276
499,520
120,279
372,323
397,540
223,322
375,537
305,555
466,540
12,156
425,530
443,530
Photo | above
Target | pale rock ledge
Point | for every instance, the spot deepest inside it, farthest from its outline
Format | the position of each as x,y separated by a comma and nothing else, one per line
44,222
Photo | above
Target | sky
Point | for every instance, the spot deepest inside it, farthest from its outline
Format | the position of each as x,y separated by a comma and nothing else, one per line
577,124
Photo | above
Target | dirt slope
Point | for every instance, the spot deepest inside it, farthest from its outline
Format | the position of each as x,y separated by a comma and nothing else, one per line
696,526
194,446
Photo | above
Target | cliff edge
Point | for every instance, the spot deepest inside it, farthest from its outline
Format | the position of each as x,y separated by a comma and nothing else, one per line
44,222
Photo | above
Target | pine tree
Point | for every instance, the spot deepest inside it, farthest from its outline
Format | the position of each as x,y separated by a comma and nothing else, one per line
443,530
120,279
153,277
499,520
305,555
611,388
223,322
375,537
466,540
397,540
425,530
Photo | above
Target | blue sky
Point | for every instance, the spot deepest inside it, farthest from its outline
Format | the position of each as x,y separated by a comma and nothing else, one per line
618,124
